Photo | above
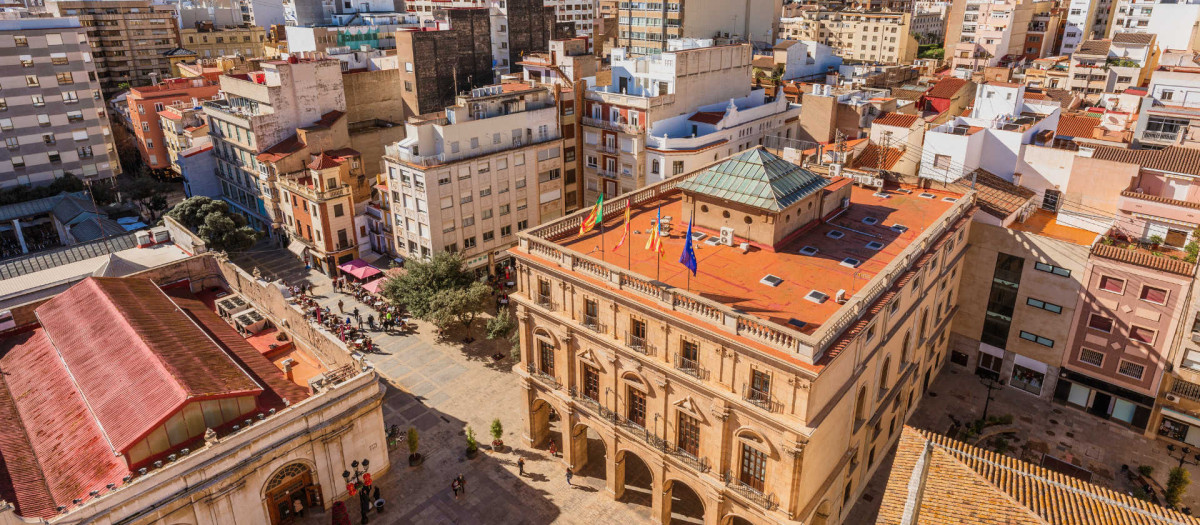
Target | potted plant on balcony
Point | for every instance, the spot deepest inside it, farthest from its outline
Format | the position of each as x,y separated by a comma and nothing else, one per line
1155,242
472,444
414,458
497,433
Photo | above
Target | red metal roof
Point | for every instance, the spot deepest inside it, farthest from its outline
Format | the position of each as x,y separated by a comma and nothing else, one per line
135,355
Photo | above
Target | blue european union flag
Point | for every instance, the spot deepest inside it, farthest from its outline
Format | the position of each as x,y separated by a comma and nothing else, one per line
688,258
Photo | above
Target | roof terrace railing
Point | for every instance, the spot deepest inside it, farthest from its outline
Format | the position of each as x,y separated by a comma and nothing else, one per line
541,242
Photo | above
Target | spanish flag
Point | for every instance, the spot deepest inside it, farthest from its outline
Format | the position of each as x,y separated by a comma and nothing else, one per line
654,243
593,218
624,235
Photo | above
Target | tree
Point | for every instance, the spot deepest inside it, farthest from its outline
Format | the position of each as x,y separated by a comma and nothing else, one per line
459,304
215,224
147,192
412,441
500,326
497,432
472,444
1177,483
425,280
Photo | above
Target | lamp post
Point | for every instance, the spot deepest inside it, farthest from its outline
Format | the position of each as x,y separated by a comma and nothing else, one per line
1183,455
359,481
990,383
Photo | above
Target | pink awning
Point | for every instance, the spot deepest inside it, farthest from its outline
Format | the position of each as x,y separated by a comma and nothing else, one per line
373,287
359,269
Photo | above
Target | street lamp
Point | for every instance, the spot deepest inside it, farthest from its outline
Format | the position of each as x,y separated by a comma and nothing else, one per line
1183,456
990,383
361,484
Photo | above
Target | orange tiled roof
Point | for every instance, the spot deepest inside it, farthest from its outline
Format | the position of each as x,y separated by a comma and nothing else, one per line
1076,126
282,150
895,119
875,156
1174,159
1145,259
954,483
946,88
323,161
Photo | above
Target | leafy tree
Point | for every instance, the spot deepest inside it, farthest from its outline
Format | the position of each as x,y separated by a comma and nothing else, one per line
459,304
1177,483
147,192
67,182
412,440
213,222
497,429
424,280
472,444
500,326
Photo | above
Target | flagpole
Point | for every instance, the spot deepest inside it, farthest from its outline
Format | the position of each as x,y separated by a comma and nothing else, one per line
689,233
601,215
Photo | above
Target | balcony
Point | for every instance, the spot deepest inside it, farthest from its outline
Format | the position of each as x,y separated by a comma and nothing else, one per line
618,127
1161,136
690,367
766,501
761,399
543,300
544,377
314,194
610,149
592,322
638,343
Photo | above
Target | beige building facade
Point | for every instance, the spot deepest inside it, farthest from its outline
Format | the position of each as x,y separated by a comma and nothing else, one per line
245,41
857,35
740,418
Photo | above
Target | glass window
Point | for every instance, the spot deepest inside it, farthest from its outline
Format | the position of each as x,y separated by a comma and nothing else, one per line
689,434
754,468
1112,284
1027,379
591,383
1142,334
546,357
1154,295
1100,323
637,407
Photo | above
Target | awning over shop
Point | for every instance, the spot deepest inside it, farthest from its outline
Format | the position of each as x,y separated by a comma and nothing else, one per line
373,287
297,247
359,269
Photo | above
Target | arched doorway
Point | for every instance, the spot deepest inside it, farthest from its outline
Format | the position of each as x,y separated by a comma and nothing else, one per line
734,519
589,453
634,480
539,423
686,507
290,483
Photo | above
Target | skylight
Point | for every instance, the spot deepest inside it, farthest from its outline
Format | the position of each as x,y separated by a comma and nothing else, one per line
713,241
697,236
809,250
816,297
949,199
771,280
874,245
882,195
928,196
870,220
851,262
900,228
835,234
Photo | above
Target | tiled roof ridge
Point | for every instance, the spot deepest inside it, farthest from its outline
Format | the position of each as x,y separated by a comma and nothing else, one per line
1141,258
1024,469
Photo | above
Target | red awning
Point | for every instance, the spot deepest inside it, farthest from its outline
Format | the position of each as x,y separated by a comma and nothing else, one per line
373,287
359,269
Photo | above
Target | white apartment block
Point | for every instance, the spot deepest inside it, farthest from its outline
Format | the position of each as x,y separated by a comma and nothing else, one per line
580,12
1176,23
467,179
1086,19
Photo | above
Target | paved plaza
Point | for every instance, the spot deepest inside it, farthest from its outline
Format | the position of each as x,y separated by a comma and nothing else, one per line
442,388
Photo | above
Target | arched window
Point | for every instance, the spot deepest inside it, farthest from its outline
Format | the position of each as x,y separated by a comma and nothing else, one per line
884,373
905,347
860,407
654,166
924,322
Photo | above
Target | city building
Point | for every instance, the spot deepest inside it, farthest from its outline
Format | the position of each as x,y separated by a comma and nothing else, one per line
162,403
1002,123
262,109
436,65
1176,25
805,60
317,200
606,27
1042,35
645,28
208,42
468,178
146,102
516,27
1047,72
1086,20
52,114
1171,103
981,34
375,31
861,36
47,223
185,132
694,84
772,406
929,22
306,13
580,13
1112,66
936,480
129,39
1179,399
262,13
829,114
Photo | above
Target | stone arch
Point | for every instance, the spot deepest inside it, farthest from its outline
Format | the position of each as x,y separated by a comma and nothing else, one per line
589,452
821,515
542,332
539,422
634,479
638,380
735,519
755,439
281,474
294,480
682,504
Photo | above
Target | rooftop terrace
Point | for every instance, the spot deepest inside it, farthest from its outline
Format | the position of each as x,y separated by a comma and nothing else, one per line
857,249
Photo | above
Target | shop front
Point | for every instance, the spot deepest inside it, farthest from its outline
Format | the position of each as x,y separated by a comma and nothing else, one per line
290,491
1104,400
1181,427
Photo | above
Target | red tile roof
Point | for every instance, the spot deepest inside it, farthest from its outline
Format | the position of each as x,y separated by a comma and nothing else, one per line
1174,159
136,357
324,162
1076,126
282,150
707,117
895,119
946,88
877,157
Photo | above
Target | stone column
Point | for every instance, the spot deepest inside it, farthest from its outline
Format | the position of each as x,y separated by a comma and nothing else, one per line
657,495
566,423
712,507
578,447
538,422
20,236
615,475
667,493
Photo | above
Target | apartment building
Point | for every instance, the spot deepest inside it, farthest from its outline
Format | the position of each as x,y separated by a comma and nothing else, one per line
1001,125
185,132
688,91
1112,66
1042,35
145,104
516,27
262,109
1170,111
208,42
317,201
262,13
772,407
52,115
128,38
468,178
579,13
981,34
1175,24
1085,20
863,36
1180,392
647,27
929,22
436,65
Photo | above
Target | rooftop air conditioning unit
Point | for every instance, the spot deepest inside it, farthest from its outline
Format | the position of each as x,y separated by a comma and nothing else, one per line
840,297
727,236
1172,398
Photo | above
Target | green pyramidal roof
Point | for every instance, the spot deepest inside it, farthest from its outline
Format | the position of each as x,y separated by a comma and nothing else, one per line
756,178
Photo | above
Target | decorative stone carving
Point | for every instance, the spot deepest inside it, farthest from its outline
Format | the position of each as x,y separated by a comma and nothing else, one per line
210,436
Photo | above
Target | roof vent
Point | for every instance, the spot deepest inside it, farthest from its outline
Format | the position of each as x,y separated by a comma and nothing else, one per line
949,199
870,220
928,196
697,236
840,298
771,280
809,250
816,297
797,323
835,234
851,262
900,228
904,191
882,195
712,241
875,245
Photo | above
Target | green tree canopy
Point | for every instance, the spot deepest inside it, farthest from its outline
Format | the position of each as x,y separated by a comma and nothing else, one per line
425,280
215,224
151,194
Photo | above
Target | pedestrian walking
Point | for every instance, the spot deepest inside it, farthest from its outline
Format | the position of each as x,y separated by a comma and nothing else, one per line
520,466
455,487
553,450
341,306
371,321
356,316
569,476
462,483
